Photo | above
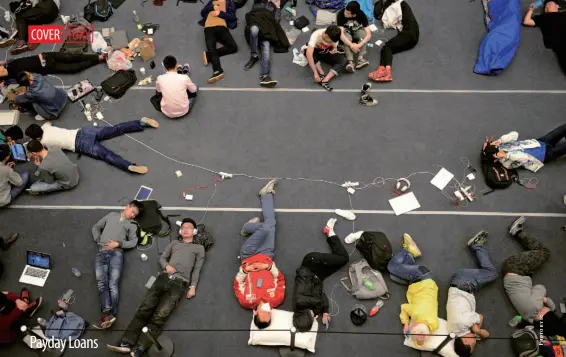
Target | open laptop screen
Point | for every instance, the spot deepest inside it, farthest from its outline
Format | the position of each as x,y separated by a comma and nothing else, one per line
39,260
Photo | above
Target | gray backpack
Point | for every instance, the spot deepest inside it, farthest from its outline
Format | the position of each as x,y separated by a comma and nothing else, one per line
365,282
65,326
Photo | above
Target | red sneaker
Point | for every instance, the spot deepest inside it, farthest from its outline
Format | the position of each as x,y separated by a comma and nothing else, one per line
378,74
24,295
34,306
387,77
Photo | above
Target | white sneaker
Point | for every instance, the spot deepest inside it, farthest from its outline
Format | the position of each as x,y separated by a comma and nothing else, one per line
39,118
352,237
349,215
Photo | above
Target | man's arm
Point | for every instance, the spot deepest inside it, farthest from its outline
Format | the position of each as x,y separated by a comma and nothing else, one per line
166,255
279,281
230,14
538,293
509,137
46,176
325,304
198,266
367,38
345,40
157,86
15,178
528,20
405,315
206,9
240,288
310,58
27,97
131,240
98,228
190,85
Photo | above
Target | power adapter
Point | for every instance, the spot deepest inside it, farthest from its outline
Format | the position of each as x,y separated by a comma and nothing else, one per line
225,175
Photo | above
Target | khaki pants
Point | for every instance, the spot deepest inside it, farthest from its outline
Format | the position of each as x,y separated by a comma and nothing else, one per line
358,36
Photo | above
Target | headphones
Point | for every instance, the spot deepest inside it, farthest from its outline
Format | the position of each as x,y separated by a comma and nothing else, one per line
403,185
195,231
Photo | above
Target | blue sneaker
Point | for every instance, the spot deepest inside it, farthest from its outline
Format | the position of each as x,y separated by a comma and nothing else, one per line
121,347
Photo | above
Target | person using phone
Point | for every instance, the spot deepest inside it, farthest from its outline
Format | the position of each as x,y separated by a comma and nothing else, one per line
39,96
12,184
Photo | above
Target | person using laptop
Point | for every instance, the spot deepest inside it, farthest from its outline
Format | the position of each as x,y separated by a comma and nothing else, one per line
12,308
88,140
12,184
39,96
114,233
181,263
56,171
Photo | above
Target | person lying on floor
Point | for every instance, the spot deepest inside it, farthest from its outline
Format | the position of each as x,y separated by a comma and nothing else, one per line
552,24
181,262
257,255
262,22
323,47
49,63
56,172
355,34
12,184
13,308
87,140
531,154
39,96
178,91
309,299
462,318
113,233
31,12
397,15
420,315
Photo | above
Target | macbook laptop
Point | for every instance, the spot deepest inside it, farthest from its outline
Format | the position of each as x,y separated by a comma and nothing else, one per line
19,152
37,269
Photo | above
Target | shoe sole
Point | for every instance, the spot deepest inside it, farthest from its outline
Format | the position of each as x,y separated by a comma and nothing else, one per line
13,239
360,66
369,104
18,51
204,59
264,191
476,236
270,84
350,69
139,170
519,221
119,349
564,199
108,324
151,122
411,243
36,307
215,79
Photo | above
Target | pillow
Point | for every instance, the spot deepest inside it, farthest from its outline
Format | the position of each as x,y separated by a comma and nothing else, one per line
282,320
434,341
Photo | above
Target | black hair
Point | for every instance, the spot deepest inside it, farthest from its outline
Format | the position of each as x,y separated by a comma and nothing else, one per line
169,62
354,8
136,204
303,320
189,220
14,132
261,324
490,149
34,131
23,79
35,146
333,32
461,348
4,151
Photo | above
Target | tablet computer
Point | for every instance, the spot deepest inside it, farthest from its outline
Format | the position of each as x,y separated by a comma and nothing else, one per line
19,152
143,193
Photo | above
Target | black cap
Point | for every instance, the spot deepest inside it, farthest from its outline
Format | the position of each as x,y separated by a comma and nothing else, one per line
359,314
189,220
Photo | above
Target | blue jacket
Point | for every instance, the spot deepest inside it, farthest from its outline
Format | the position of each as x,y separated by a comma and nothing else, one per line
229,15
44,94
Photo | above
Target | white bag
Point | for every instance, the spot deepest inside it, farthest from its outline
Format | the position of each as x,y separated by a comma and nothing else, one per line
98,42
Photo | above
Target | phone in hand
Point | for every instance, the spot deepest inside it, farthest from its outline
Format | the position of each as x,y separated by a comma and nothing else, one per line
259,283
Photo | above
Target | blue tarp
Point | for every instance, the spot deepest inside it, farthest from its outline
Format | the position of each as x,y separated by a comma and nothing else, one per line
367,7
499,46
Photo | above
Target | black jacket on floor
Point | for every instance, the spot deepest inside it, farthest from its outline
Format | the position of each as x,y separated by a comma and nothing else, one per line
269,29
309,293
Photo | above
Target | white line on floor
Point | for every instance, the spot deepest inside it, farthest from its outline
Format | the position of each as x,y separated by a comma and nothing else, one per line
302,210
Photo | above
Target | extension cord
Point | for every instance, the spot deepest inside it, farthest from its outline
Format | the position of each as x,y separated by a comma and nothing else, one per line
466,193
225,175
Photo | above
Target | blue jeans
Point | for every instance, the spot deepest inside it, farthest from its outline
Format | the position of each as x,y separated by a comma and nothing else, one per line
89,138
262,239
265,64
16,191
403,265
44,187
192,99
471,280
108,268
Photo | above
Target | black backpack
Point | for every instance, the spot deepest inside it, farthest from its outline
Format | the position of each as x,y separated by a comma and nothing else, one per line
525,342
203,237
240,3
496,176
150,221
100,10
117,84
376,249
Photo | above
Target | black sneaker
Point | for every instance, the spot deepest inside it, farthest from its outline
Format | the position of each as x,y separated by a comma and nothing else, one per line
368,101
517,226
253,60
479,238
266,81
120,347
216,76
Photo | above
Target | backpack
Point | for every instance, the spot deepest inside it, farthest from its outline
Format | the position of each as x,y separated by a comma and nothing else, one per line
100,10
366,283
203,237
496,176
325,5
117,84
79,28
380,6
375,249
150,221
65,325
525,342
240,3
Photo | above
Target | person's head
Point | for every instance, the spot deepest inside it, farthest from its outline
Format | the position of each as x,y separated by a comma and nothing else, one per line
34,132
464,346
132,209
14,133
332,33
262,315
491,150
24,79
303,320
187,230
3,72
36,148
5,152
419,333
170,63
551,6
352,9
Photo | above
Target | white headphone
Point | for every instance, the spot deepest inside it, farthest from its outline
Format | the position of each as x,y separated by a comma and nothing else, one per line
403,185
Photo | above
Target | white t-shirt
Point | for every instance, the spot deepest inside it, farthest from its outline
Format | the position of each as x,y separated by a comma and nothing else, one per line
58,137
461,311
317,41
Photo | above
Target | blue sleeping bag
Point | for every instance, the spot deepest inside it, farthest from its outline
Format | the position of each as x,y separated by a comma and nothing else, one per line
497,49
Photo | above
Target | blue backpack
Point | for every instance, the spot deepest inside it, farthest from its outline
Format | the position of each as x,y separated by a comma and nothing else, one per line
65,326
325,5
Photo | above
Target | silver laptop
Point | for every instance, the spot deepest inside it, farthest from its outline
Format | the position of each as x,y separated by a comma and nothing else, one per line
37,269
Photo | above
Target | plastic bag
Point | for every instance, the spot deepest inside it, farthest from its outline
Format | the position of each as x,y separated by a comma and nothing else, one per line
98,43
117,60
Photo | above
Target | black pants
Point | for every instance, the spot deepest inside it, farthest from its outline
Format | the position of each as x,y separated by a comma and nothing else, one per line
553,149
57,62
561,54
158,304
221,34
45,12
525,263
325,264
404,41
338,61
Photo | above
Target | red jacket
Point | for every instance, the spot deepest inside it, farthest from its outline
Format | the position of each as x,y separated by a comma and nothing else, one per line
7,335
272,289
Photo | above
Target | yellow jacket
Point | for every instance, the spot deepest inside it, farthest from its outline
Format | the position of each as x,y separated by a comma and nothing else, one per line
423,304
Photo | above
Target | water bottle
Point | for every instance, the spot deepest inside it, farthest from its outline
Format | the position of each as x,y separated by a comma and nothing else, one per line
136,17
375,309
515,321
41,321
76,272
368,284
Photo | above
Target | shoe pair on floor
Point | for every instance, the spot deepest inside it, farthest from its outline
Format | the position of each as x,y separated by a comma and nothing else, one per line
264,81
361,63
33,306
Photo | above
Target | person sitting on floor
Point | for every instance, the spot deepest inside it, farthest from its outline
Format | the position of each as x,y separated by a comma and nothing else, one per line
257,254
56,172
531,154
355,34
113,233
420,316
398,15
323,47
309,299
218,18
552,24
40,96
181,262
31,12
87,140
12,309
462,318
49,63
263,29
11,135
12,184
178,91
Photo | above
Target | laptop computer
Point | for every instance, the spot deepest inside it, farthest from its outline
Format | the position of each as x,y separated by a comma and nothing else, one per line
19,152
37,269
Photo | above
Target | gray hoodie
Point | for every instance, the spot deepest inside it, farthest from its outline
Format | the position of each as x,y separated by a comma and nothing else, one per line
527,299
114,227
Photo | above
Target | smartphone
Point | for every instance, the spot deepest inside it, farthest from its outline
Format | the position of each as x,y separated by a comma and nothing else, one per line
152,64
150,282
259,283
